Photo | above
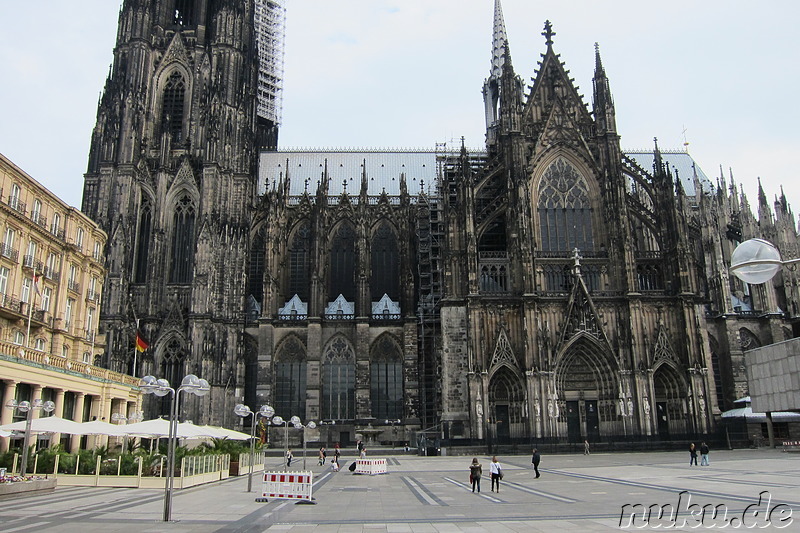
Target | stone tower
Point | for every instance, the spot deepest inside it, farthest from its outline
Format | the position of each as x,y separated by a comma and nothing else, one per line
171,177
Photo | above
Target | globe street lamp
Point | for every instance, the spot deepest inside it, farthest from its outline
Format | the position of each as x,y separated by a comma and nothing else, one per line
28,408
278,420
242,410
309,425
119,418
160,387
756,261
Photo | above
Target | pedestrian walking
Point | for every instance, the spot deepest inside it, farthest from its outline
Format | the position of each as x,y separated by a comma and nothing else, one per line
475,471
363,454
497,473
704,455
586,447
337,452
322,455
289,458
535,461
692,455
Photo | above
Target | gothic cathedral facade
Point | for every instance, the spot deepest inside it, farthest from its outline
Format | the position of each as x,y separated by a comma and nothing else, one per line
550,287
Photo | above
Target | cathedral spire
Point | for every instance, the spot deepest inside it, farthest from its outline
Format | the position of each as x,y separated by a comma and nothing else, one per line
604,112
499,42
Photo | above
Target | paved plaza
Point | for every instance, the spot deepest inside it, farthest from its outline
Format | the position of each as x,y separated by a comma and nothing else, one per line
430,495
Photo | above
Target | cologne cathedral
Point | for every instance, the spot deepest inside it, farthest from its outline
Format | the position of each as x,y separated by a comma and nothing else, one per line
550,287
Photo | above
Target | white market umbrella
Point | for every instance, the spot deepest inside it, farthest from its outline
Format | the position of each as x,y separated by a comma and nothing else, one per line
5,433
48,424
159,427
223,433
99,427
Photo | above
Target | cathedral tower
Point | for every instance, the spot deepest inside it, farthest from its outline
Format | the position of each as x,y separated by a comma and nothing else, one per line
171,176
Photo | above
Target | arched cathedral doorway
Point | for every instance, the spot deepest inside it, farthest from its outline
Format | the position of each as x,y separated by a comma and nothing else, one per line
506,405
671,402
586,384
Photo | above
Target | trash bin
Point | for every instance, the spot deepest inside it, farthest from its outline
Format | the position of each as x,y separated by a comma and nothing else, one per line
443,451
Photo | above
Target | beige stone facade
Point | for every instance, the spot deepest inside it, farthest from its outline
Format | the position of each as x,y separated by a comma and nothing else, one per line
51,281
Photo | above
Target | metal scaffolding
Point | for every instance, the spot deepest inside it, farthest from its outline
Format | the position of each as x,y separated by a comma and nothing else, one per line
270,21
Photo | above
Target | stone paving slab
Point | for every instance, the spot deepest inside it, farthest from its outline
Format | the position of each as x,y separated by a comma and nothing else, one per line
431,495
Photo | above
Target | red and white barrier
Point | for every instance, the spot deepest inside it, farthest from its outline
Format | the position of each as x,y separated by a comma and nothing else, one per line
287,485
370,466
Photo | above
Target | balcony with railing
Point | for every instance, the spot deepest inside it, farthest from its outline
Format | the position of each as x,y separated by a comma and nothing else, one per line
16,205
92,296
9,252
51,273
493,272
39,219
58,232
73,285
29,261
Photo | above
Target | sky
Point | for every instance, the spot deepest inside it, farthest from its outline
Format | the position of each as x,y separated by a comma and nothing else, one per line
720,75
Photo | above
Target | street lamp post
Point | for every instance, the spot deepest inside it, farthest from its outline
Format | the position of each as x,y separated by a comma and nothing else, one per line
160,387
309,425
28,408
394,433
242,410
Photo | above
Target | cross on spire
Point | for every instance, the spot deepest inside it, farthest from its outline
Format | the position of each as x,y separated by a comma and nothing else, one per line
344,185
548,33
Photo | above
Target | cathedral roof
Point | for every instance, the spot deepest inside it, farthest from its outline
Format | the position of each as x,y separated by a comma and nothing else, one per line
681,162
383,170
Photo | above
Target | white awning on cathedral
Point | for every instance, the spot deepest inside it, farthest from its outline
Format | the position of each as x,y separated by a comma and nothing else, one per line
295,307
385,306
340,306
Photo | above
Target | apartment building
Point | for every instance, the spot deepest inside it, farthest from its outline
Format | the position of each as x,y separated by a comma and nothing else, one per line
51,282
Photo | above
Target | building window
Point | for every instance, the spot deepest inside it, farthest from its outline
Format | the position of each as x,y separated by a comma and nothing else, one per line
55,227
343,264
26,290
8,242
87,357
172,106
339,381
47,294
79,238
36,214
64,351
299,263
19,338
13,198
68,312
565,213
183,241
385,264
3,279
90,322
142,241
50,266
97,250
386,383
40,345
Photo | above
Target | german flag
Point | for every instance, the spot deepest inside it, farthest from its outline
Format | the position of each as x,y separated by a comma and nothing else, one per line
141,344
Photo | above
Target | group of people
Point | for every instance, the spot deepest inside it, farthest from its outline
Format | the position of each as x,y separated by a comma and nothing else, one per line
496,471
703,454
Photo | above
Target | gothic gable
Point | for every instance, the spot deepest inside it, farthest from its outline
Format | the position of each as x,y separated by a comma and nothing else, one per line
662,349
582,316
176,52
503,353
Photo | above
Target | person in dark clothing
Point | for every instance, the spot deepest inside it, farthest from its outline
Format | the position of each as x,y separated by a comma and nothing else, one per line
692,455
535,461
475,471
704,455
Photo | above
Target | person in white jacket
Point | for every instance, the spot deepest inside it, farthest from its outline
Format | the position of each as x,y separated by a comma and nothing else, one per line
497,473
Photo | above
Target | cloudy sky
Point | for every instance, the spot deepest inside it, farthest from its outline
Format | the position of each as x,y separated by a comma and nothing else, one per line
721,75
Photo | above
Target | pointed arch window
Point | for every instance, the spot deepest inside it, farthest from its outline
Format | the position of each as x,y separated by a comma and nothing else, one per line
172,106
339,381
386,383
299,262
255,278
565,212
290,379
342,278
143,241
183,241
385,264
172,367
